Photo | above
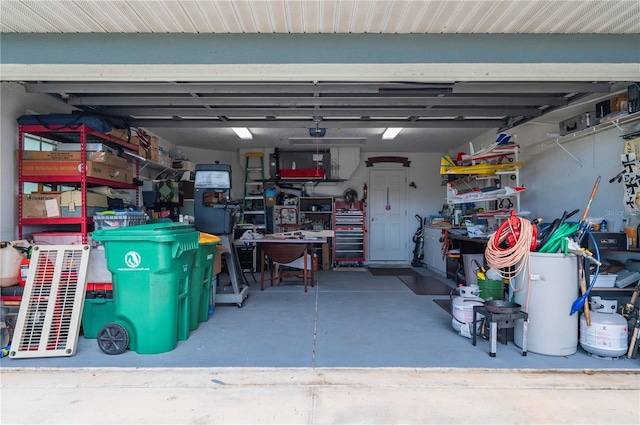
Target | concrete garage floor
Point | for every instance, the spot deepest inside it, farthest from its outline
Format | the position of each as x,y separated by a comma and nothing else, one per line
356,348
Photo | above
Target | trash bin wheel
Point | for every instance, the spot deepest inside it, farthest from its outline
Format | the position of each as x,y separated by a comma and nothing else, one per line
113,338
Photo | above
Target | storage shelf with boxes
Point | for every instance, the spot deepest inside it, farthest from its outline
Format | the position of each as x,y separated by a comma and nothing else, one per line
82,158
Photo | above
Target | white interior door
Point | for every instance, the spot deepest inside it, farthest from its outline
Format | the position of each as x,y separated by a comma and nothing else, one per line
387,212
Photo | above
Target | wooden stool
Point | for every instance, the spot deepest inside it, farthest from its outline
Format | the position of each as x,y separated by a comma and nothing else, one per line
499,321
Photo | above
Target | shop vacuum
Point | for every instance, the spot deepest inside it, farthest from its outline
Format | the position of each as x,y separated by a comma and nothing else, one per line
418,240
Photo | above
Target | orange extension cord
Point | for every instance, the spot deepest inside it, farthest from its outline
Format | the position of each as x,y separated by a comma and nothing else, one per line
512,261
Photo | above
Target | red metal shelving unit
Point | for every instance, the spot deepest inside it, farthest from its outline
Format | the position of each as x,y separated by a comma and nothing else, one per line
73,134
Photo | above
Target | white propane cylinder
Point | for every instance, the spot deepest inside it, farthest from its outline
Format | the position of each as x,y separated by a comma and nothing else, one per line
608,333
462,309
10,259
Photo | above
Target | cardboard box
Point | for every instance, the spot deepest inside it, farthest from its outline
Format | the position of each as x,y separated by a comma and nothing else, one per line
134,140
155,143
73,168
41,205
120,133
326,257
183,165
104,157
71,203
167,191
270,201
217,263
153,154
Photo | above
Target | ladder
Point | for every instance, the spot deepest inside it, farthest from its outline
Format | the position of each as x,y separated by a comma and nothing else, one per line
254,208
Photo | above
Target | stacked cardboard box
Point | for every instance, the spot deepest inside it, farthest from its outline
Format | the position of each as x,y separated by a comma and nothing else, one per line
99,170
71,203
99,164
41,205
150,151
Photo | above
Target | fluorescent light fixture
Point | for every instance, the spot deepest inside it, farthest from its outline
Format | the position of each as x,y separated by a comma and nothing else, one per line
242,132
391,133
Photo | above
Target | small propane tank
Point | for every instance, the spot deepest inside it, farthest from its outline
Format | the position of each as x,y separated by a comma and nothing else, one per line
462,309
608,333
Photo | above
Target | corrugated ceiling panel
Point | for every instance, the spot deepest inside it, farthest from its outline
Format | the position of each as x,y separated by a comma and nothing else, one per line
468,21
244,15
294,16
65,17
212,16
413,15
532,17
328,17
177,19
112,18
440,14
583,17
25,19
228,16
395,17
502,18
154,15
377,18
262,16
195,16
615,20
358,18
278,16
311,17
321,16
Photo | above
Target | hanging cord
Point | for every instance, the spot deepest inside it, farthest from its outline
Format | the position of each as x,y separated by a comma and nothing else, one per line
510,262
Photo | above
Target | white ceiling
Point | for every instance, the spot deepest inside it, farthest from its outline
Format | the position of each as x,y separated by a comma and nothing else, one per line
323,16
436,116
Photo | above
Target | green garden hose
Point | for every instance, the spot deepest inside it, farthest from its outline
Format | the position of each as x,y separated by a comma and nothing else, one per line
554,244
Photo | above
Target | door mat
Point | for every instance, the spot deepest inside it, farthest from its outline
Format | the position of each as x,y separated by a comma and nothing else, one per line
445,303
426,285
349,269
393,271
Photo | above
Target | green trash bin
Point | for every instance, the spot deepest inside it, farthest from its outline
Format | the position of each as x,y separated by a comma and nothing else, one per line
151,266
199,292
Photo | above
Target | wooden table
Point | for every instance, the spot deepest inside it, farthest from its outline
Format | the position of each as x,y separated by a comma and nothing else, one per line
284,251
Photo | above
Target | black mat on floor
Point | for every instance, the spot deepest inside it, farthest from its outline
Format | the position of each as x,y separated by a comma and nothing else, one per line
444,303
393,271
425,285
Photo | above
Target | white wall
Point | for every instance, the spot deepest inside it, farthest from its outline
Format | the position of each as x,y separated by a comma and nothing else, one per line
555,181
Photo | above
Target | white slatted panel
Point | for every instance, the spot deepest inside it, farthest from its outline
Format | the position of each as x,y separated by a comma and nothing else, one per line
321,16
50,312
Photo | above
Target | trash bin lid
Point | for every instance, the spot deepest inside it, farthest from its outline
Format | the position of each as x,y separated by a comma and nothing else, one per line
160,232
208,238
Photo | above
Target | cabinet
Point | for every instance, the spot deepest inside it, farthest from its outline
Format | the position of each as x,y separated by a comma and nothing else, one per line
349,232
71,169
316,212
434,259
491,178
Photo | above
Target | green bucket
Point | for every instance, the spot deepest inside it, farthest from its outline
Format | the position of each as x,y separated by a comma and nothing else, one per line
491,289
